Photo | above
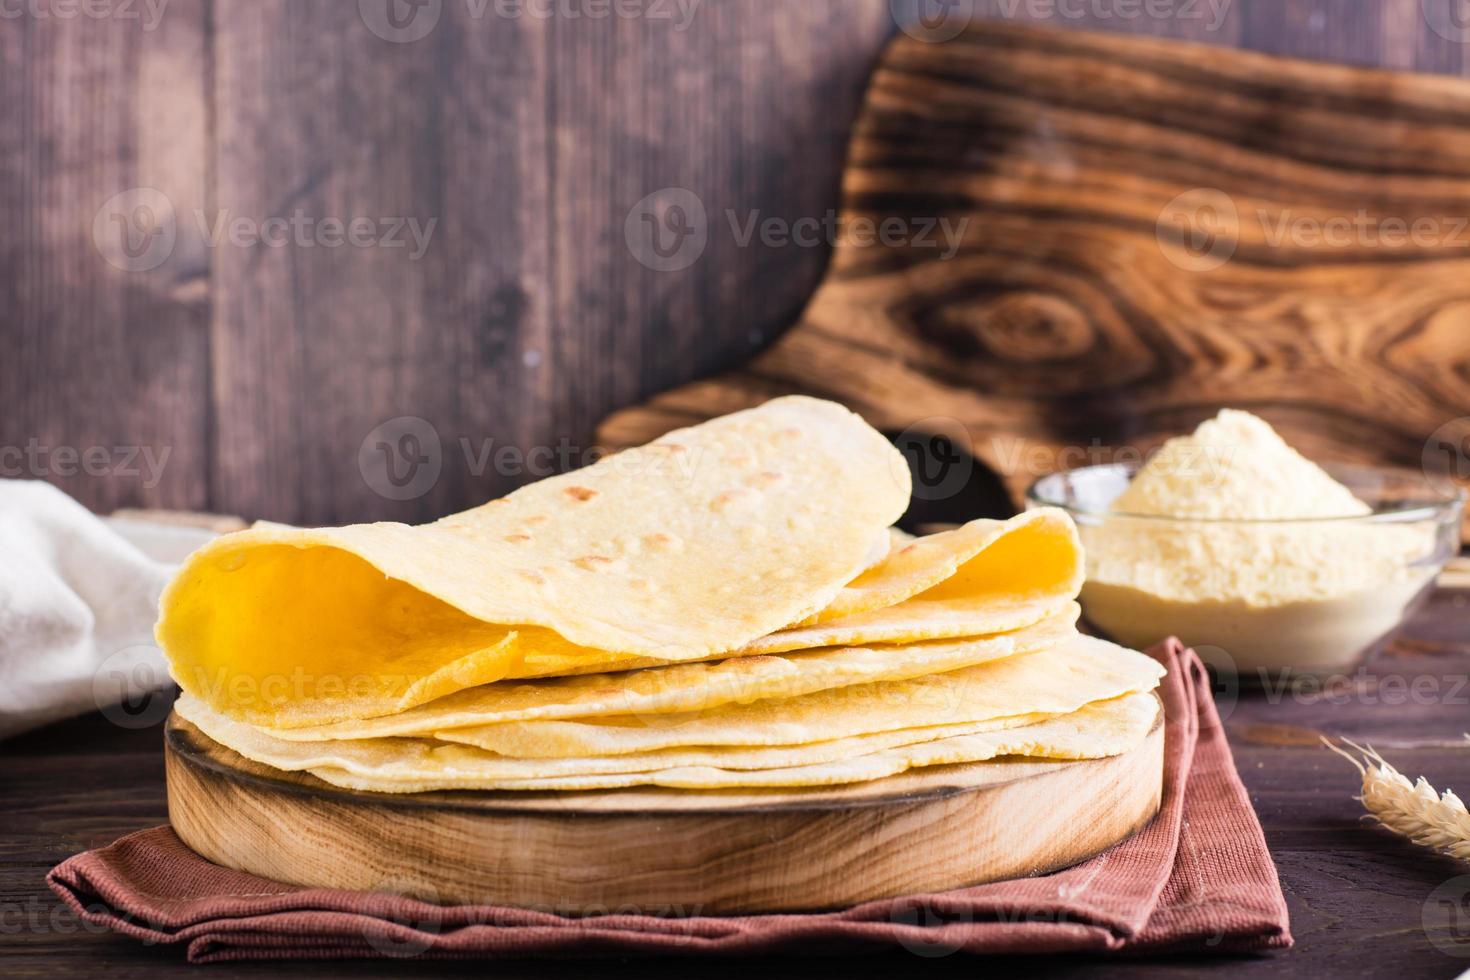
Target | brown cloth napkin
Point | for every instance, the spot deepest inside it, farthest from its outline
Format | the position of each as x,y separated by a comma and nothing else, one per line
1197,879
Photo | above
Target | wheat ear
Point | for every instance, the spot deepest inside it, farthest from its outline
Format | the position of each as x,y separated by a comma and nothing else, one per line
1413,810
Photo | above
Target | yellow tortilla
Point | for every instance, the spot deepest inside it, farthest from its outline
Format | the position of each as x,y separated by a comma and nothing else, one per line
1053,681
692,686
1096,731
1032,557
696,544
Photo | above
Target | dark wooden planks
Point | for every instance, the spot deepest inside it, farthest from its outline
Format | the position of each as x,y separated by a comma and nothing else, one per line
1388,33
320,114
103,385
743,109
530,140
529,318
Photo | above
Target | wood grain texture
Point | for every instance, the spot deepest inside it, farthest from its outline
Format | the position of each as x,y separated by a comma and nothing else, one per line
103,366
746,108
1124,270
527,138
700,852
262,370
316,346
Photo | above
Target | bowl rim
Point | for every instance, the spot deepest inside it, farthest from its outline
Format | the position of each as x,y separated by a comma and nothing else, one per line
1446,505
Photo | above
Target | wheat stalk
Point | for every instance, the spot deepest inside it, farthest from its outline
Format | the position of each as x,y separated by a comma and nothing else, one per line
1413,810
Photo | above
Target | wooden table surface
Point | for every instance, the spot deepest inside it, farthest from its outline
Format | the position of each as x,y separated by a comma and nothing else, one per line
1358,896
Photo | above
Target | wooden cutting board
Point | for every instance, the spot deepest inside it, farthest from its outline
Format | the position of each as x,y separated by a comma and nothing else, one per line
1151,230
657,851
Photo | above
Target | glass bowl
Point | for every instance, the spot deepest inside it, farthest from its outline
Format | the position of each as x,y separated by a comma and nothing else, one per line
1260,598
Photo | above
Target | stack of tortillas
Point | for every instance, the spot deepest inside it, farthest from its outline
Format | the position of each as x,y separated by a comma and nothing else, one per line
724,607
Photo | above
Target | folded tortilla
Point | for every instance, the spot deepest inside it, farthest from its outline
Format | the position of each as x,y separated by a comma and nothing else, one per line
1050,682
634,561
696,544
693,686
982,578
1096,731
1011,565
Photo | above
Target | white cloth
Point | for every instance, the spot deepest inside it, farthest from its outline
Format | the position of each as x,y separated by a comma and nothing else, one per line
78,598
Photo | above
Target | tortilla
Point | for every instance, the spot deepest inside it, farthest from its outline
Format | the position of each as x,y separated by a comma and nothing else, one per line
1098,730
692,686
404,758
1051,682
696,544
981,578
1031,556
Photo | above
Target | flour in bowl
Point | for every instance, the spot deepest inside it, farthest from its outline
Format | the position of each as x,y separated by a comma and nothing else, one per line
1237,543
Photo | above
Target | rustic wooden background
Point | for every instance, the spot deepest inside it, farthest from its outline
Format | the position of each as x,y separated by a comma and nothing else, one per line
260,371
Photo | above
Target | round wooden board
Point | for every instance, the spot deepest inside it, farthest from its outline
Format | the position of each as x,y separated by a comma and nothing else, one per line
658,851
